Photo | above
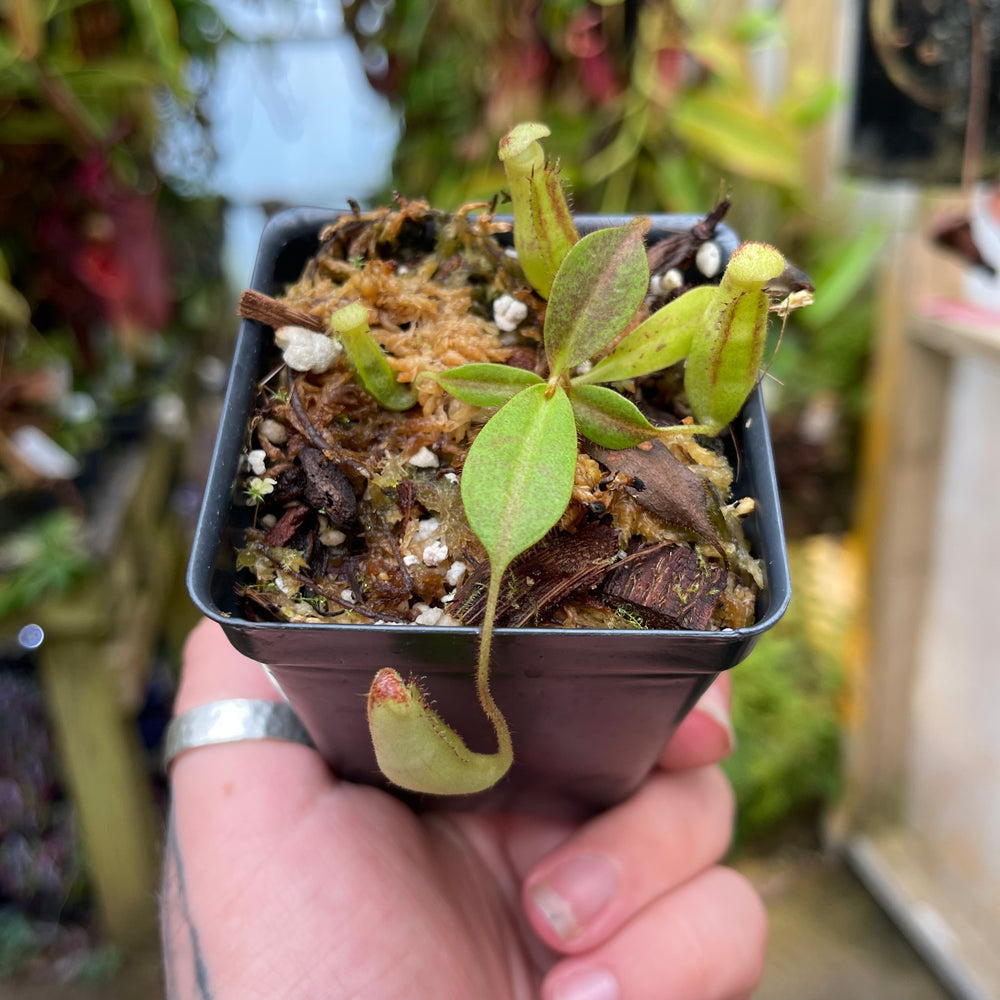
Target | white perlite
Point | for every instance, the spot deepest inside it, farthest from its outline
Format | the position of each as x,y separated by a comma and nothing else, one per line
664,284
331,537
428,527
430,616
435,552
256,460
424,459
708,259
455,573
508,312
671,280
307,351
273,430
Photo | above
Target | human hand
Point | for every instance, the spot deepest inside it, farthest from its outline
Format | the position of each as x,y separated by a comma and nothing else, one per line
280,881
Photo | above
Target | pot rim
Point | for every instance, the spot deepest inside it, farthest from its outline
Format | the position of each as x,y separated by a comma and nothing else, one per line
208,535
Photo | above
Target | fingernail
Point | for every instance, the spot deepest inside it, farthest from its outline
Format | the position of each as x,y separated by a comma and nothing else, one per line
714,704
584,984
575,892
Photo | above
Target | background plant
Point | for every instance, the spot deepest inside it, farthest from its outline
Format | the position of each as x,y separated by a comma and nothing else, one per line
104,268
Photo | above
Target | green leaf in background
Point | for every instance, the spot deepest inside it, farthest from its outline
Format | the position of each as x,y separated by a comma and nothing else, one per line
597,291
484,384
157,24
656,343
812,99
102,78
616,155
42,560
26,27
842,275
14,308
733,131
350,323
678,184
607,418
518,477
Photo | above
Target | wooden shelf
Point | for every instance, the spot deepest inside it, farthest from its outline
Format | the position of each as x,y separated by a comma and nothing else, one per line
916,819
956,328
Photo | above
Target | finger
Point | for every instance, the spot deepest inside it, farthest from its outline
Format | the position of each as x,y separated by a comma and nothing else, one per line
676,826
213,669
706,734
281,774
706,940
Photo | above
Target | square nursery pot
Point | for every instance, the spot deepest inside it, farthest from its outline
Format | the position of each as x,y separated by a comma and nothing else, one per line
589,710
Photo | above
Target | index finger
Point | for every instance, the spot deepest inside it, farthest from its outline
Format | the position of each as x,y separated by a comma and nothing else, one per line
214,671
705,736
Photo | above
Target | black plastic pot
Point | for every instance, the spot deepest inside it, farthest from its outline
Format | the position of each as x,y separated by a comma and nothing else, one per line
589,710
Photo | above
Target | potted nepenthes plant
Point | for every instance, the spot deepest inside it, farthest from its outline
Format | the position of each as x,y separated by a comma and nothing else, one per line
493,500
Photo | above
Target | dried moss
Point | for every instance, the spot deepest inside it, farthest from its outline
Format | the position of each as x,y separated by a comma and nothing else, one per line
429,280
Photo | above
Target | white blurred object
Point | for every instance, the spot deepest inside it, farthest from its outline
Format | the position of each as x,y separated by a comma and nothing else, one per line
170,415
42,455
982,288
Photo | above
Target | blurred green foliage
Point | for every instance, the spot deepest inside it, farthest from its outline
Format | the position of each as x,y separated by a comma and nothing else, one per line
650,104
110,277
86,260
786,701
19,943
44,558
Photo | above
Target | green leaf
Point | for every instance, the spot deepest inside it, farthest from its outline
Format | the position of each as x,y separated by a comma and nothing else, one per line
350,323
518,477
598,289
484,384
14,308
114,75
607,418
736,133
678,183
811,103
656,343
156,21
843,273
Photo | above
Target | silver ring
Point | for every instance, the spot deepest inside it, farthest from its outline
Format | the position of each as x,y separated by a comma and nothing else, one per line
230,721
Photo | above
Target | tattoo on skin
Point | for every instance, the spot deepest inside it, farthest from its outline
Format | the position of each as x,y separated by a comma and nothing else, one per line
184,965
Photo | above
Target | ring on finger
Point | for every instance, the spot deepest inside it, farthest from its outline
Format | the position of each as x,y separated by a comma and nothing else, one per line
232,720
